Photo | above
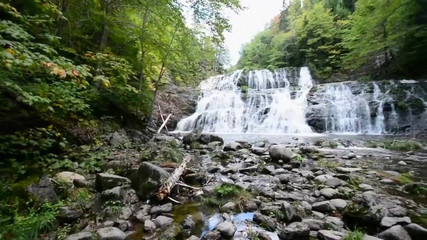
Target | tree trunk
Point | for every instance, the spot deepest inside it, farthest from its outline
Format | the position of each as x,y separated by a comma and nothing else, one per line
167,187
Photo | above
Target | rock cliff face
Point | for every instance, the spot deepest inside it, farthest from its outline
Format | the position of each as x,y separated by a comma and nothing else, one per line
392,107
178,101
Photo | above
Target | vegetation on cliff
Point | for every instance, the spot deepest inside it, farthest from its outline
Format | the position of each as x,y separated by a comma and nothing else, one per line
365,37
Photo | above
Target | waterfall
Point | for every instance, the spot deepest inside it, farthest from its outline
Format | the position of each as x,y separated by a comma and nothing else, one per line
262,102
286,101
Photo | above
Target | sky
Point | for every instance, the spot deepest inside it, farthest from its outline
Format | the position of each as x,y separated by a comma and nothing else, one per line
247,23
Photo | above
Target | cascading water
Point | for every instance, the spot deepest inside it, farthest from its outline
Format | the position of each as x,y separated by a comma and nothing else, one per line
262,102
285,101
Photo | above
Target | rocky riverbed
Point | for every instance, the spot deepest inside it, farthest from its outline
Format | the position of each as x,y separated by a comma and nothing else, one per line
300,189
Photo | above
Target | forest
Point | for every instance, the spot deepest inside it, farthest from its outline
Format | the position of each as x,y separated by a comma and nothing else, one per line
361,39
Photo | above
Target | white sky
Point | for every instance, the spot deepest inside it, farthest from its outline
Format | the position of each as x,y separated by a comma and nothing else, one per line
247,23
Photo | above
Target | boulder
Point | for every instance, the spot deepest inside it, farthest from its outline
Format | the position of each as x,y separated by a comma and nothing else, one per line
329,193
335,222
233,146
114,194
118,138
148,179
365,187
314,224
188,223
280,152
106,181
214,235
395,233
416,231
80,236
324,206
330,235
270,222
289,212
110,233
230,206
339,204
162,221
208,138
295,231
68,177
149,226
68,214
193,238
171,231
227,229
43,190
387,222
165,208
380,206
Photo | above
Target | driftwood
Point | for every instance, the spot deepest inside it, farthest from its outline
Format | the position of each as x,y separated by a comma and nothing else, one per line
163,119
164,123
167,187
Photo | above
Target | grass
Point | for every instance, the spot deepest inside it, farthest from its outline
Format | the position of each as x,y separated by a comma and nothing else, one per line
354,235
396,145
228,192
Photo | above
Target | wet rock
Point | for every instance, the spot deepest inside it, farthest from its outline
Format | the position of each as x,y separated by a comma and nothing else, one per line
80,236
165,208
330,235
208,138
295,231
416,231
68,214
380,206
270,222
106,181
338,204
233,146
307,174
148,180
280,152
334,182
365,187
387,222
250,206
82,183
171,231
324,206
329,193
110,233
114,194
258,150
43,190
227,229
149,226
314,224
395,233
323,178
162,221
68,177
308,150
402,163
279,171
193,238
188,223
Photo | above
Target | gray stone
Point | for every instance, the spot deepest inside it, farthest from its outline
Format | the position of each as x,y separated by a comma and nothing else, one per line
348,170
188,223
387,181
118,138
329,193
402,163
162,221
110,233
148,180
391,221
68,214
230,206
193,238
165,208
380,205
295,231
416,231
43,190
171,231
334,182
68,177
280,152
149,226
250,206
314,224
339,204
227,229
258,150
324,206
214,235
270,222
365,187
323,177
284,178
114,194
338,223
330,235
106,181
233,146
80,236
368,237
289,212
395,233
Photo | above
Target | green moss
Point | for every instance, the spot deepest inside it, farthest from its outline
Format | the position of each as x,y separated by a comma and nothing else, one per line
244,89
397,145
227,190
324,163
402,106
404,178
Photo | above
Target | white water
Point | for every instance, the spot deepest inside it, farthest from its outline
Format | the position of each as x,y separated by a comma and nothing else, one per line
269,104
276,102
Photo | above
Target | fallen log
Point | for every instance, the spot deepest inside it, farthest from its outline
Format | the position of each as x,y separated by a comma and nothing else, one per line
164,124
167,187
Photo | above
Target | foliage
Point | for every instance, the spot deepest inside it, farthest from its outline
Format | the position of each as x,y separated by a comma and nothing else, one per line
28,224
405,178
227,190
334,36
